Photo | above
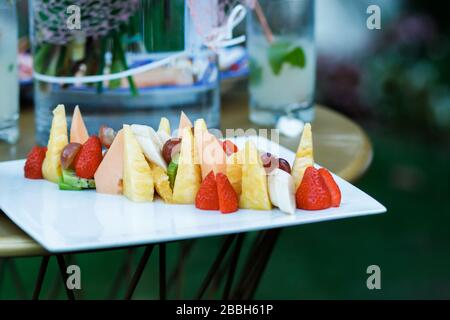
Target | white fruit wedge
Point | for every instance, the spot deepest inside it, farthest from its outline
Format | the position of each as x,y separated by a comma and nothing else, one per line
199,130
150,144
282,190
304,156
164,131
184,123
137,175
51,167
109,174
78,131
188,179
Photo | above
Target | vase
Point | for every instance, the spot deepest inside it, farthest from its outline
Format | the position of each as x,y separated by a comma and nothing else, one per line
121,62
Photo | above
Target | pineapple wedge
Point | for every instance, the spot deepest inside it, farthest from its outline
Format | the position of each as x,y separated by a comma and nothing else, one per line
304,156
234,171
255,192
137,175
51,167
188,179
162,184
164,130
164,125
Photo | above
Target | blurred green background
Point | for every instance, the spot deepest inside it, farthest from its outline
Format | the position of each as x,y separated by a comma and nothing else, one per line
395,83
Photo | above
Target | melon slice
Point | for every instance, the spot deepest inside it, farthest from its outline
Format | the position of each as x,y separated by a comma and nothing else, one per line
109,174
188,179
208,150
78,131
51,167
184,123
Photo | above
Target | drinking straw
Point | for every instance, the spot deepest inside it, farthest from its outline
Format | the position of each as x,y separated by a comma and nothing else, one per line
263,21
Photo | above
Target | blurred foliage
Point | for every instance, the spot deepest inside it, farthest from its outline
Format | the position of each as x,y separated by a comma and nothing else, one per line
402,80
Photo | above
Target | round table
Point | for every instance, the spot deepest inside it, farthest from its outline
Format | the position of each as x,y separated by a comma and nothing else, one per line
339,144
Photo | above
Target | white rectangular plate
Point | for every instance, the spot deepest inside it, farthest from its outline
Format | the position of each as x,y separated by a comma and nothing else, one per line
63,221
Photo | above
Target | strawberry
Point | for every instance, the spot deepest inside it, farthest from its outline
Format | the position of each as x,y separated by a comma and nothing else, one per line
207,198
88,158
229,147
228,199
332,186
312,193
33,165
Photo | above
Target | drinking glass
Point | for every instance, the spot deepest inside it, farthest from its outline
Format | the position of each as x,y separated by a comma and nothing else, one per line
9,81
282,56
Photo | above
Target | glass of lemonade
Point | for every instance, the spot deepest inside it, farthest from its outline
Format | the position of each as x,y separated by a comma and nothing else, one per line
9,83
282,56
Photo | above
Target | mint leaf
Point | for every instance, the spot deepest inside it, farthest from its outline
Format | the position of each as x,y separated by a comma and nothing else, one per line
277,51
280,53
255,72
296,58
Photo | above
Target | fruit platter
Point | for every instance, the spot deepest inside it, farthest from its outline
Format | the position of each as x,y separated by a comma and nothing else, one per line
139,185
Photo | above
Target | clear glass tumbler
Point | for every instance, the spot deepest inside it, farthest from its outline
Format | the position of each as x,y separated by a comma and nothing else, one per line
282,55
9,81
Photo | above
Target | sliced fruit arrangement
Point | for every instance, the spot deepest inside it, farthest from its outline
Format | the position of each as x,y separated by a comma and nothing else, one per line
191,167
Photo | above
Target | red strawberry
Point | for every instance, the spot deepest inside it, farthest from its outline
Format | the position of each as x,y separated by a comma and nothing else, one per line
88,158
228,199
312,194
332,186
207,198
229,147
33,165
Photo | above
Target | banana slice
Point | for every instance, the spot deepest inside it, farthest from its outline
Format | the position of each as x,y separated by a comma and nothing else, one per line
281,190
150,143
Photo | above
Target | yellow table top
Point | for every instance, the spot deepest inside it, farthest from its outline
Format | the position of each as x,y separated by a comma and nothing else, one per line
339,144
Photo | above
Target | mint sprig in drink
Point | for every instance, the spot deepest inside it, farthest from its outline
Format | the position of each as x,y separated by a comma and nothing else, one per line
282,65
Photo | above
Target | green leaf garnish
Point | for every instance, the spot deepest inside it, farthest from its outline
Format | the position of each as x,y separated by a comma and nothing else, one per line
280,53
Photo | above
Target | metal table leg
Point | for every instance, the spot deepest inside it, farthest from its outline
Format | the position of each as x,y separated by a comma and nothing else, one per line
215,266
139,270
256,264
162,271
176,276
233,266
41,276
122,275
62,269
